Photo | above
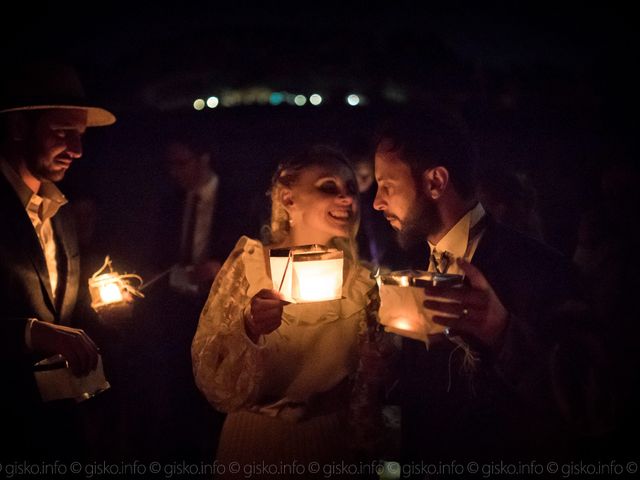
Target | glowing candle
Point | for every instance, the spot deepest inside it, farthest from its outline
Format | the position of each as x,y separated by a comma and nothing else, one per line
108,289
105,290
401,302
311,273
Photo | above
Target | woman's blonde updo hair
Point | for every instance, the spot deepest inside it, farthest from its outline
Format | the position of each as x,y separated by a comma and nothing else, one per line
286,176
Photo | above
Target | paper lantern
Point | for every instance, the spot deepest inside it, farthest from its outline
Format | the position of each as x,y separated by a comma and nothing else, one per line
401,302
56,381
307,273
108,289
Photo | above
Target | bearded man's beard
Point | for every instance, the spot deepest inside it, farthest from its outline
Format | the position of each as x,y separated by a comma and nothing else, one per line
423,219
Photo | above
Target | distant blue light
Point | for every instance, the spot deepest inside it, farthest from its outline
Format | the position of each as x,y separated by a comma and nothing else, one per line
276,98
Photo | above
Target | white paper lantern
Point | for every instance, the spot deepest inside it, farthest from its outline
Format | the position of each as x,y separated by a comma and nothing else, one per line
308,273
401,302
108,289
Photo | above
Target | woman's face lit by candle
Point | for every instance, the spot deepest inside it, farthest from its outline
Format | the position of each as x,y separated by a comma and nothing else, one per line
322,204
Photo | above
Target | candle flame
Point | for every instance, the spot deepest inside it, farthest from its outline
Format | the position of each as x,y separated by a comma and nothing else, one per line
108,288
403,324
110,293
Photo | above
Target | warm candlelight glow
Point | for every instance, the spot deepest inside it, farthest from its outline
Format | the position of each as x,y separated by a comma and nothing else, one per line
317,280
401,303
108,289
310,273
281,274
401,323
406,327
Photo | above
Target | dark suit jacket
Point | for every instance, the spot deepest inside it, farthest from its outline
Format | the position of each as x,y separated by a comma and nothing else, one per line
227,215
25,292
506,408
170,314
168,320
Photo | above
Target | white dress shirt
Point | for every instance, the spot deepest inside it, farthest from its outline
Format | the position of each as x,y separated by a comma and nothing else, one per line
459,242
40,207
207,195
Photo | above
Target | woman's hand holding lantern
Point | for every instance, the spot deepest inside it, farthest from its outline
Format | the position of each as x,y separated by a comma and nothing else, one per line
265,314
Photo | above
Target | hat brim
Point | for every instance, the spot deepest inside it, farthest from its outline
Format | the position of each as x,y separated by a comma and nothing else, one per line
96,116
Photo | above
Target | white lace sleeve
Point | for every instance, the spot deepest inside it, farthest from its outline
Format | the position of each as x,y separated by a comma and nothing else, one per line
225,361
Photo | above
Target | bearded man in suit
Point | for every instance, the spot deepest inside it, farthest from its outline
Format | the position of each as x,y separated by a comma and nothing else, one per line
503,382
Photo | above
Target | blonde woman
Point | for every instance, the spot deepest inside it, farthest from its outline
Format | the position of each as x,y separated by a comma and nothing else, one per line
284,372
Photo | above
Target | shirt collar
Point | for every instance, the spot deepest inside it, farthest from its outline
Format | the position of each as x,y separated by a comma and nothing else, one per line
456,239
24,193
53,199
208,190
48,194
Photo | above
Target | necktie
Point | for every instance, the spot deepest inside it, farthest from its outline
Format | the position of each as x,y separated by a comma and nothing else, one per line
440,261
187,247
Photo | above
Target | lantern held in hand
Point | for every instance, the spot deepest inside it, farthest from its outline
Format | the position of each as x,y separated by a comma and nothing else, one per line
308,273
401,302
109,289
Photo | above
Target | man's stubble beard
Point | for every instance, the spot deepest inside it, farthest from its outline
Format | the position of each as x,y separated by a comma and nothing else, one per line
423,220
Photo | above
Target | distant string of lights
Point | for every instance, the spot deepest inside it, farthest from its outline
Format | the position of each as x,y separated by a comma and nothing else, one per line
263,96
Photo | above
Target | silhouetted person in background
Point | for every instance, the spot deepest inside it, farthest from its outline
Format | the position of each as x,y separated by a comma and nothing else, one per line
194,248
511,198
607,254
193,235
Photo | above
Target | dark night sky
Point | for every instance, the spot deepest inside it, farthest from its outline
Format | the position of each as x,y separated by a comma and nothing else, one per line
128,48
547,85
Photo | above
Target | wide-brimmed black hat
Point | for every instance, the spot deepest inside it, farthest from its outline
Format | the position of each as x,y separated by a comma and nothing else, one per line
42,86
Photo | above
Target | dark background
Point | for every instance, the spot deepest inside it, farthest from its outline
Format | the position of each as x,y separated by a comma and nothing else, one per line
548,90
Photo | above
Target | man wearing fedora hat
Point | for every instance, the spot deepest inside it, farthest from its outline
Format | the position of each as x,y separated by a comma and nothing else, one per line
43,116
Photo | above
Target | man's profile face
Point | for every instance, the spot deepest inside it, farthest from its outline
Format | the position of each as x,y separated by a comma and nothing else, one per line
401,199
57,143
397,190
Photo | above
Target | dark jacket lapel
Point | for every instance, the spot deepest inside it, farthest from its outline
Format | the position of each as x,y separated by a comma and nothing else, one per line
68,264
25,236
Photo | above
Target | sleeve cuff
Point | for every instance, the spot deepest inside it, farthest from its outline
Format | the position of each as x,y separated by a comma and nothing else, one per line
243,331
27,333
